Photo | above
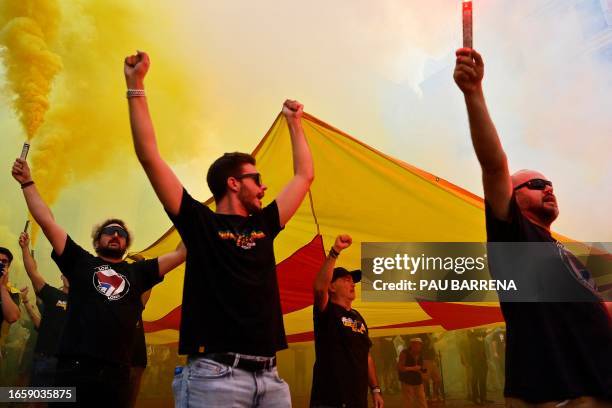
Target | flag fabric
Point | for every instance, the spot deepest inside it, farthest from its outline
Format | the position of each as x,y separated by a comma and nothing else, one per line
357,190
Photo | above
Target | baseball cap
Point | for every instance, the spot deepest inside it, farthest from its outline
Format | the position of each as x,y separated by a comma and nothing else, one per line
339,272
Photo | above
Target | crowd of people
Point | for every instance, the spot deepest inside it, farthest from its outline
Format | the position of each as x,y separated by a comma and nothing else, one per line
232,327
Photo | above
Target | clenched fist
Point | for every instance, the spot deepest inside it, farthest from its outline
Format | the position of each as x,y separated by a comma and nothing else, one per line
469,70
135,68
21,171
292,110
342,242
24,240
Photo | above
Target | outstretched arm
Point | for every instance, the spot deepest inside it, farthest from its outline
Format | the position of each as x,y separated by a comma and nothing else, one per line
324,277
38,208
167,186
30,264
293,194
30,308
497,185
169,261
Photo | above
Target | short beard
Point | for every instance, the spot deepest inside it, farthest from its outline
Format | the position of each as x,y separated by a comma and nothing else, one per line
111,253
547,215
249,206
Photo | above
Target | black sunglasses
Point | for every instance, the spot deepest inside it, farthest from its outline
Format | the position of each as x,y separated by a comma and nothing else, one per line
256,177
112,229
534,184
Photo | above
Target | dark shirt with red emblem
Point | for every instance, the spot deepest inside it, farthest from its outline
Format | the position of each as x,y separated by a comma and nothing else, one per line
103,304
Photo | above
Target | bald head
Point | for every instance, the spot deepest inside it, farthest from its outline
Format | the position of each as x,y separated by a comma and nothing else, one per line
540,206
524,175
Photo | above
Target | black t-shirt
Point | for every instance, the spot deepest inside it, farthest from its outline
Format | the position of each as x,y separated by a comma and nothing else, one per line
555,350
139,347
231,301
103,303
412,377
340,374
53,318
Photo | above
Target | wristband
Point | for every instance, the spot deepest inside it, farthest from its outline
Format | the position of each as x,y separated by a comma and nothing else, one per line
376,390
333,253
134,93
27,184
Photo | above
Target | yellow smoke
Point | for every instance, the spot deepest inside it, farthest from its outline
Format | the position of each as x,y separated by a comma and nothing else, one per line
86,132
27,28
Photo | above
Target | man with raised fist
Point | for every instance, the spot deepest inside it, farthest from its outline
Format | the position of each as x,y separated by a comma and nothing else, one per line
558,353
231,322
344,369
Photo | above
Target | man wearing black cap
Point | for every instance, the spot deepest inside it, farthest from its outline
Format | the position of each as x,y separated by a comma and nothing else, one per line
344,368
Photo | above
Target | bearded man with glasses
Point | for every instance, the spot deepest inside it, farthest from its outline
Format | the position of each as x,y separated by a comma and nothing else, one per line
559,353
104,302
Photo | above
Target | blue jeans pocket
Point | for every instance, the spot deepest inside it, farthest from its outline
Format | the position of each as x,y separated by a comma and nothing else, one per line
206,369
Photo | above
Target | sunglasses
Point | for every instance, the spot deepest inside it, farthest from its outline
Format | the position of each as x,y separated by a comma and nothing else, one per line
534,184
112,229
256,177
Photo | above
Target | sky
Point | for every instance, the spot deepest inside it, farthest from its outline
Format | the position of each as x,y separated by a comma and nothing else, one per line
380,71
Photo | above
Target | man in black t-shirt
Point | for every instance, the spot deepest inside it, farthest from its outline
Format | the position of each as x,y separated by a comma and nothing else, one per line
344,368
231,322
557,352
52,320
103,302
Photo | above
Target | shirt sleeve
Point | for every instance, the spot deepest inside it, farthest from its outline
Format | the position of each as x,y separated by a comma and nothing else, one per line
500,230
148,273
319,316
271,219
189,211
46,294
66,262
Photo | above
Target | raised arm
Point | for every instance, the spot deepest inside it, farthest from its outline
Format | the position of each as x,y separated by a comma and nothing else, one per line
324,277
167,186
377,400
29,263
29,307
171,260
38,208
469,72
293,194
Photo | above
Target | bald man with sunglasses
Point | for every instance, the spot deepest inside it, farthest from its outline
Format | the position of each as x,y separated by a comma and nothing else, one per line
558,353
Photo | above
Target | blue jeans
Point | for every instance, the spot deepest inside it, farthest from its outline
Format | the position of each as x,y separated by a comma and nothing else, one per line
207,383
